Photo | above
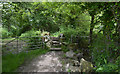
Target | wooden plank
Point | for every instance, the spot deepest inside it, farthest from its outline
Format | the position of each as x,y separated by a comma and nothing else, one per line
55,42
10,41
54,38
55,48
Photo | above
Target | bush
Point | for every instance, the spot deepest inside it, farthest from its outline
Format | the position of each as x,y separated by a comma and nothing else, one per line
5,33
65,49
44,32
104,54
31,33
68,31
110,67
56,34
118,60
99,50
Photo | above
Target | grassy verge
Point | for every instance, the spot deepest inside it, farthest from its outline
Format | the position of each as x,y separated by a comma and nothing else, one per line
11,61
7,39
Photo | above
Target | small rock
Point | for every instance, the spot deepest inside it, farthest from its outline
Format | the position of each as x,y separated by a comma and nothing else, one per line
70,54
67,67
79,56
76,63
75,69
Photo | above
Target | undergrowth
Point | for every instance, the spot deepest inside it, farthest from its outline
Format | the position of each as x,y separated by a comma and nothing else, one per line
11,62
104,55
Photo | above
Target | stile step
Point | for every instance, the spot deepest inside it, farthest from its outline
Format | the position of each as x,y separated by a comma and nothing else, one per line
55,48
56,45
54,38
55,42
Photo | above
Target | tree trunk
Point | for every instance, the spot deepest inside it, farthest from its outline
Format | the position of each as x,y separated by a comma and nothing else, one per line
118,24
91,28
117,19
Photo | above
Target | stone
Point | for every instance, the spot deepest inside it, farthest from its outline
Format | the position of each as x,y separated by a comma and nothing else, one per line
73,46
72,68
85,65
75,69
70,54
76,63
67,67
79,56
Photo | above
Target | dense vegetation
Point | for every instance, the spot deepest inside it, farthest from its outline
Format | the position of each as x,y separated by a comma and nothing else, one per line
99,21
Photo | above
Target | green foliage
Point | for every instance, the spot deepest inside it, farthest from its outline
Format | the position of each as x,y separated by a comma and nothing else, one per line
31,33
110,67
56,34
5,33
33,15
65,49
103,52
118,60
44,32
68,31
69,70
99,51
11,62
14,31
25,19
63,62
35,39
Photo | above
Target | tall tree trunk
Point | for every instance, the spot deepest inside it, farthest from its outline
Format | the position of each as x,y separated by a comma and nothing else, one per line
8,28
118,24
91,28
117,19
91,33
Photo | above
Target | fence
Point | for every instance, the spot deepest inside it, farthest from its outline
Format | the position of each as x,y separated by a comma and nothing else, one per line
82,41
75,39
19,44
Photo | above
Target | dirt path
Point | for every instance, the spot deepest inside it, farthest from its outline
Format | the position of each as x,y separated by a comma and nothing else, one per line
49,62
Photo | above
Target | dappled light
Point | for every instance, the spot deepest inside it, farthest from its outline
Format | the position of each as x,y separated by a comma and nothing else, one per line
60,37
49,62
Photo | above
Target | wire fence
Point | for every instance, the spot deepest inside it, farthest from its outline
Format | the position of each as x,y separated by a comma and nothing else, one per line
79,39
20,44
82,42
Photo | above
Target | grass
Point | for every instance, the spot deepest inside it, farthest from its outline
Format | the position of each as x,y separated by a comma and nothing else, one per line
8,39
64,55
65,49
11,62
63,62
69,70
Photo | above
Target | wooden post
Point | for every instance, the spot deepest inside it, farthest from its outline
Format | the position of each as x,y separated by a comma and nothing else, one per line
43,45
17,45
71,38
